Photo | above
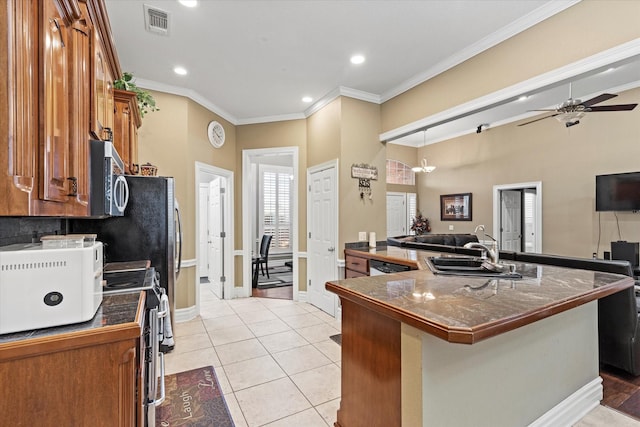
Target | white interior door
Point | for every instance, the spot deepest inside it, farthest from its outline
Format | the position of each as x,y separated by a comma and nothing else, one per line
203,233
321,245
511,227
396,214
216,274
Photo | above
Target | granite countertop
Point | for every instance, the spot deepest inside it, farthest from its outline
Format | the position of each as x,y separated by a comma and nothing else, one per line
469,309
115,310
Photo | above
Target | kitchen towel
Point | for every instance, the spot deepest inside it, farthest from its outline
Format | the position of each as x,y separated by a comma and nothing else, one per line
167,343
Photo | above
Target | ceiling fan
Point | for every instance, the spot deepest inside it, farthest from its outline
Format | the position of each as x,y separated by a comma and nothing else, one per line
572,110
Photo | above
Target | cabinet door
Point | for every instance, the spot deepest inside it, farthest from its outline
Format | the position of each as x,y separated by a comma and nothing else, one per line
102,99
54,112
19,123
122,132
80,108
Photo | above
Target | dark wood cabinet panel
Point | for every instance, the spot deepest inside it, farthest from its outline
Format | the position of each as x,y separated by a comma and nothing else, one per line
80,38
50,53
356,266
54,104
127,120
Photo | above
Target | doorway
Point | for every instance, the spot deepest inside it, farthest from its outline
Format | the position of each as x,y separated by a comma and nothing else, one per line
401,210
517,216
214,225
270,207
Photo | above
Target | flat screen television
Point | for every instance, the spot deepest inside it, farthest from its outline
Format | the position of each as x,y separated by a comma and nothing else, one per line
618,192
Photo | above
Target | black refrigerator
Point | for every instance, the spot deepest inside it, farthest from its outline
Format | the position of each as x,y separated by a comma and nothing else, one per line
149,229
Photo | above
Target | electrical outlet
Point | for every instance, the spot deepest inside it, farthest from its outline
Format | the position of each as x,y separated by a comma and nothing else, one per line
451,228
362,236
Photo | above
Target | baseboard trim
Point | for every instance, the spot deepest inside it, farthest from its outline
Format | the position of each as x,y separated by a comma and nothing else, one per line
185,314
302,296
573,408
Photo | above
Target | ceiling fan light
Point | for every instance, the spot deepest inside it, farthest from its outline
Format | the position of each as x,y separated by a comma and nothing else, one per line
570,118
423,167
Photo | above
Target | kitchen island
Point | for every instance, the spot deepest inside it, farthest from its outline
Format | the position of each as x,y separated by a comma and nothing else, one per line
420,349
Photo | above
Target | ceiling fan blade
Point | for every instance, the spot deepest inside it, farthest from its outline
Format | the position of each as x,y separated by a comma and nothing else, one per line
537,120
546,109
619,107
598,99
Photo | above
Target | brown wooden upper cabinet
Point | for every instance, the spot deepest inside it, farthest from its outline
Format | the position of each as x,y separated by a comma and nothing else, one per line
59,60
127,120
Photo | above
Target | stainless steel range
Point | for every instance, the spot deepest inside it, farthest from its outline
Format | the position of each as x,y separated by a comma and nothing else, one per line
131,277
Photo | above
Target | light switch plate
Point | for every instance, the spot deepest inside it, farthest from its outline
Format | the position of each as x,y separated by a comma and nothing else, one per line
451,228
362,236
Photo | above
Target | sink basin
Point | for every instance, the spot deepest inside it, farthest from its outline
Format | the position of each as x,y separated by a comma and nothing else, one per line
456,263
469,266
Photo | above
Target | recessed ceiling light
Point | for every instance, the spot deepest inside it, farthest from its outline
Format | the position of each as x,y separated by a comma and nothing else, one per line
189,3
180,71
357,59
523,98
610,69
307,99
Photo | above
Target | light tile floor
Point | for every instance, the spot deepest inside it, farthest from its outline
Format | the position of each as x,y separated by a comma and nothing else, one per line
275,362
274,359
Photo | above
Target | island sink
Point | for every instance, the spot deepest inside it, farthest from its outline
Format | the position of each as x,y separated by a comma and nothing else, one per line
469,266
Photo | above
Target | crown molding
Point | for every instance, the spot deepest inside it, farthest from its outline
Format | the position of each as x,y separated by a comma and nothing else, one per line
624,52
519,25
270,119
187,93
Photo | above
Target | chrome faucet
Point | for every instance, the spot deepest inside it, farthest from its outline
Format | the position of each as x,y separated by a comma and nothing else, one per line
492,253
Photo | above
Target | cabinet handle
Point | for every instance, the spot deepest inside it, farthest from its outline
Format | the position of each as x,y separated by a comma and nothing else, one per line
55,22
73,183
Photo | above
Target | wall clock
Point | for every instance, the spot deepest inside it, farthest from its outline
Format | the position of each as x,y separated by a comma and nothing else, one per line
215,132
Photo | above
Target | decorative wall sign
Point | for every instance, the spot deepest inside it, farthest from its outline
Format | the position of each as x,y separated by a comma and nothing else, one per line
455,207
364,171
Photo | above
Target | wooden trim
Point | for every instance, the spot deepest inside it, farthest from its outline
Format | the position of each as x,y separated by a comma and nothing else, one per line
100,19
69,10
131,99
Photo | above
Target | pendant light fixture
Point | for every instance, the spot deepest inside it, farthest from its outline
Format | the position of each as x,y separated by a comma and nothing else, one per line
423,164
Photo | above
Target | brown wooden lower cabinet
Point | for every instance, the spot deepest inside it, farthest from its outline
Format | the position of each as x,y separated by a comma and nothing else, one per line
355,266
370,369
71,382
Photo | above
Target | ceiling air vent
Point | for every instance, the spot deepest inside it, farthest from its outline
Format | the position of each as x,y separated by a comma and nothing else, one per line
156,20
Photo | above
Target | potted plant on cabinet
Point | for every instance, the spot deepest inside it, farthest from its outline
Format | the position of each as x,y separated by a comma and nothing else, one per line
146,102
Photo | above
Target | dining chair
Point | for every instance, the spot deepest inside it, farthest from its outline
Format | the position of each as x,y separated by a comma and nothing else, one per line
262,260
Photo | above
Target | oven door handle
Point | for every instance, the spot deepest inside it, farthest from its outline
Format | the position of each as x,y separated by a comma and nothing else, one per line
158,401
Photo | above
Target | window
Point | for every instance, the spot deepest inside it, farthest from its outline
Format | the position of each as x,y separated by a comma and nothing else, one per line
275,203
399,173
412,211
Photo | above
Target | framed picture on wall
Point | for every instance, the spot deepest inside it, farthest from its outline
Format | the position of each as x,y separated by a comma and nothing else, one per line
455,207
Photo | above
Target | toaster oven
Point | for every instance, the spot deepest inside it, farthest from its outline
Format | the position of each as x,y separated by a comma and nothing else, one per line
41,288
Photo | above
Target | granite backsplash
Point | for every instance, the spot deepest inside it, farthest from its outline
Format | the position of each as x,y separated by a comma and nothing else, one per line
28,229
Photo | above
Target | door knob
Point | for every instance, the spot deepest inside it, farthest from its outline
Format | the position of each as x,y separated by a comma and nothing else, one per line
331,249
